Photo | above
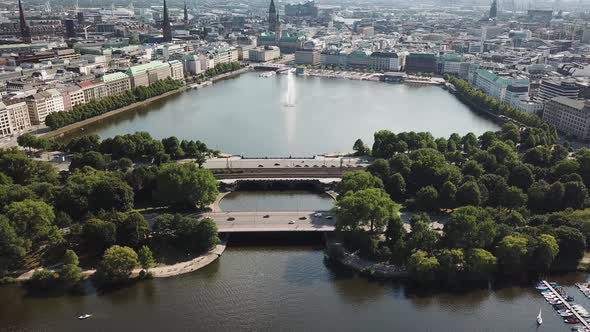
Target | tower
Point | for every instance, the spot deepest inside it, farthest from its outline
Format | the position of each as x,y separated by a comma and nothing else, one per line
25,30
494,10
185,14
272,17
277,30
166,28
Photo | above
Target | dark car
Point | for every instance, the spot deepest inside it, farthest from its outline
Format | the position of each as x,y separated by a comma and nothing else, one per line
266,216
231,219
302,218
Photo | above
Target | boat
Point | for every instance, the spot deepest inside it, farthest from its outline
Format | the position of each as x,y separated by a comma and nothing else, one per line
85,316
539,318
571,320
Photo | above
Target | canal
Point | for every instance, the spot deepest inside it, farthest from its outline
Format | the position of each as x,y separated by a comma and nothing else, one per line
301,116
281,286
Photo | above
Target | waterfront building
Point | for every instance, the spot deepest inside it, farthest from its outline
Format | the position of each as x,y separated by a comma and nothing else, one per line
192,64
176,70
148,73
358,59
449,63
93,90
494,84
569,116
264,54
44,103
14,117
307,57
116,83
517,96
384,61
551,88
287,43
223,55
421,63
307,9
73,96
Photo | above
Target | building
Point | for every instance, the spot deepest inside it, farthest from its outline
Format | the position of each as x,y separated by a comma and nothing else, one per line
166,27
495,84
273,18
148,73
286,42
176,70
421,63
551,88
116,83
307,9
192,64
44,103
25,30
264,54
14,117
569,116
449,64
73,96
307,57
384,61
93,90
224,55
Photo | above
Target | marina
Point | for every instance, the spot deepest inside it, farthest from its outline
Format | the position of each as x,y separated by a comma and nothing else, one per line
572,313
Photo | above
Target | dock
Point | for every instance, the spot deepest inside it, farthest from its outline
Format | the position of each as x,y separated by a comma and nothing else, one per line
567,305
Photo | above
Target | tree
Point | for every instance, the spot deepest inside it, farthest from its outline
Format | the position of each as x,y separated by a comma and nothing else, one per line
99,234
358,180
185,185
12,247
575,194
117,264
146,258
469,227
396,186
473,168
422,236
452,264
448,194
521,176
513,198
468,194
572,243
395,230
70,274
427,199
368,207
132,230
31,219
359,147
480,264
379,168
545,250
512,252
42,279
423,267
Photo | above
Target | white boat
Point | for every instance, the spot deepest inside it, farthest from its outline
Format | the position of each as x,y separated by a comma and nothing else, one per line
539,318
85,316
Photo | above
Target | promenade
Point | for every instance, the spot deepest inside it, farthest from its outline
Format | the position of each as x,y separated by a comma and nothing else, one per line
273,221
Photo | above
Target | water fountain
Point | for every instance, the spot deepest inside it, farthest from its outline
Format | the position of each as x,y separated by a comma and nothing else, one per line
290,96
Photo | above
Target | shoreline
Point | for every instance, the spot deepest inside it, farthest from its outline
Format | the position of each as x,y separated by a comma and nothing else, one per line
67,130
163,271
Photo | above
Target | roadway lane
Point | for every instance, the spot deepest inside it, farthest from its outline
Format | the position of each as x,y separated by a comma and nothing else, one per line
288,221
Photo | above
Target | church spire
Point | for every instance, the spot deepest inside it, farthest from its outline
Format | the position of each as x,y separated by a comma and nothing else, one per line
185,14
494,9
166,28
272,16
25,30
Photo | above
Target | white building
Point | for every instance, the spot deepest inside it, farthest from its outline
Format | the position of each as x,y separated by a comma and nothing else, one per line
176,70
14,118
44,103
569,116
264,53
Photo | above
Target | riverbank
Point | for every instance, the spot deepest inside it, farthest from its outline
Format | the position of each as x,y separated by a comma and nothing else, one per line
336,252
162,271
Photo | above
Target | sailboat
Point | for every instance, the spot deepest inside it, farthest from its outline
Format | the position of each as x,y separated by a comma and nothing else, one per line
539,318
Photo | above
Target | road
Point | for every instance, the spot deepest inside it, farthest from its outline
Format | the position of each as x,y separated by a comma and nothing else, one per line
318,161
287,221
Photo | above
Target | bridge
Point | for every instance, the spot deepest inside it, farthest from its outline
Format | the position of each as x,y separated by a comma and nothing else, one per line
273,221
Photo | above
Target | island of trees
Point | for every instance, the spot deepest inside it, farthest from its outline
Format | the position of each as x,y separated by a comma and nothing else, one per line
96,209
514,202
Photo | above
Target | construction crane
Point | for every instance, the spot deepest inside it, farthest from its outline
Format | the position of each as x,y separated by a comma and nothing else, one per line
86,31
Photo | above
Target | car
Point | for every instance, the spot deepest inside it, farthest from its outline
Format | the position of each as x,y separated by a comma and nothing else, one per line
277,164
291,222
306,166
260,165
231,219
332,166
266,216
316,166
297,165
329,217
318,215
359,166
324,166
302,218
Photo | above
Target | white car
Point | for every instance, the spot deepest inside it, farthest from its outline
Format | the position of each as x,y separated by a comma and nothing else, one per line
317,215
291,222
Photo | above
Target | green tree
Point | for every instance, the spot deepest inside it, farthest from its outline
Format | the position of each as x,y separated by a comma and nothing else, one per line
12,247
468,194
146,258
358,180
572,243
132,230
427,199
480,264
70,274
117,264
545,251
42,279
185,185
31,219
422,266
452,264
99,234
521,176
368,207
422,236
469,227
359,147
512,252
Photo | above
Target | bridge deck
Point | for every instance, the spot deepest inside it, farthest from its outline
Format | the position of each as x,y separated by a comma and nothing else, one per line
272,221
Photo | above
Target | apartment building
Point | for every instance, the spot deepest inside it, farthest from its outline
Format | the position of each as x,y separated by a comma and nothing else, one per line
264,53
551,88
44,103
14,117
116,83
384,61
148,73
93,90
569,116
176,70
73,96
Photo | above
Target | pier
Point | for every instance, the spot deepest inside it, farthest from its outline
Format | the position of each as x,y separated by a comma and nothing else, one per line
567,305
